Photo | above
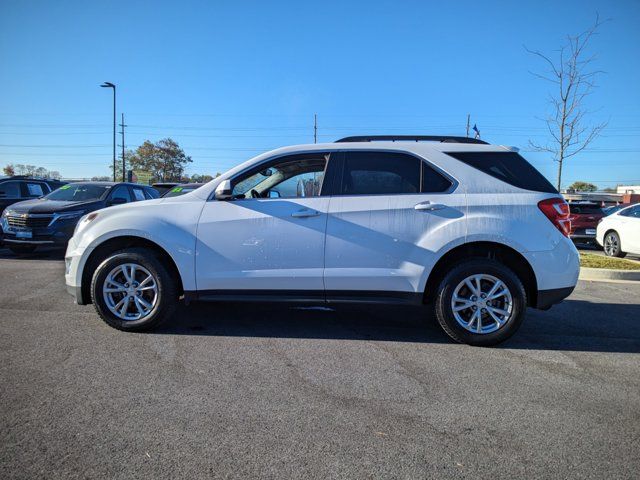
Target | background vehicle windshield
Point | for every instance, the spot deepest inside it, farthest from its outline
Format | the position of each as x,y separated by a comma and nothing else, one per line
177,191
77,192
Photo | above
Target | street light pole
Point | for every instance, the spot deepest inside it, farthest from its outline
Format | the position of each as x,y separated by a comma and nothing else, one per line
111,85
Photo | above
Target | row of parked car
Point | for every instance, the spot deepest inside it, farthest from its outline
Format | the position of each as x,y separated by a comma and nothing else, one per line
616,228
44,212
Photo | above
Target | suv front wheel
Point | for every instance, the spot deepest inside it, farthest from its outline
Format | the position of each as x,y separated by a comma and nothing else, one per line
133,291
480,302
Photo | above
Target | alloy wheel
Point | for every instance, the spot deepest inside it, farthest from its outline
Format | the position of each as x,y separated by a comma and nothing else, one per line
130,291
482,303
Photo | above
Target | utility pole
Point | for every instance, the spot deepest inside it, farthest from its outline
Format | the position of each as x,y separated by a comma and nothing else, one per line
124,162
468,123
315,128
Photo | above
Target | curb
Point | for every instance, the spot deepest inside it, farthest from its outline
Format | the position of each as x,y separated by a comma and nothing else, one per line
608,274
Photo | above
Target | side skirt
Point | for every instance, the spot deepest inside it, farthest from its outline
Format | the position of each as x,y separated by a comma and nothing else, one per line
305,296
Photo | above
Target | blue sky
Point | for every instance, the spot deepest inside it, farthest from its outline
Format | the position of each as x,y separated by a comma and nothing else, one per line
230,79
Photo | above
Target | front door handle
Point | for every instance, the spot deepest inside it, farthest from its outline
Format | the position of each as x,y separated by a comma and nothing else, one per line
429,207
306,212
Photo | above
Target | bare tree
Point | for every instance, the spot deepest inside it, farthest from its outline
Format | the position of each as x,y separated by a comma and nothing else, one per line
574,77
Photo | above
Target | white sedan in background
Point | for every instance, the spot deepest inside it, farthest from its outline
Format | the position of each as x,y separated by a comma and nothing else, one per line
619,233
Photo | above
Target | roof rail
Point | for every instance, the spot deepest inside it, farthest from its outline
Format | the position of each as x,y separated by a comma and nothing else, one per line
412,138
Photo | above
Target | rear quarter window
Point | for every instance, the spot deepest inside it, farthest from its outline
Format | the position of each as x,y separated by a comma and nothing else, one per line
510,167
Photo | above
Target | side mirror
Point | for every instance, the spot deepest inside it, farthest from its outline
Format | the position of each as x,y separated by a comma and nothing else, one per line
223,191
116,201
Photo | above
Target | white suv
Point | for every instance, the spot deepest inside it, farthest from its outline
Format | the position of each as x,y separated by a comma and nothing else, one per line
470,228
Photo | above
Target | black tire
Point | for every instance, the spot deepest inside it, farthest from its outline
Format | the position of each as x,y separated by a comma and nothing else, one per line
22,249
612,245
167,296
457,274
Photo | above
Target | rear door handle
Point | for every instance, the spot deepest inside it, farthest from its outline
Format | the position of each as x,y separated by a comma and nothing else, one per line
429,207
306,212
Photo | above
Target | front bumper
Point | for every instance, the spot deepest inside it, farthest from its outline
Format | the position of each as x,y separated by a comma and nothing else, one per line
54,237
76,293
74,259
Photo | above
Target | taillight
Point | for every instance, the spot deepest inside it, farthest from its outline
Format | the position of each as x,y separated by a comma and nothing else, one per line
557,211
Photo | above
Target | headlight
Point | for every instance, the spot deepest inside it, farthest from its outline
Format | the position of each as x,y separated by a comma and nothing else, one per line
84,221
6,213
68,215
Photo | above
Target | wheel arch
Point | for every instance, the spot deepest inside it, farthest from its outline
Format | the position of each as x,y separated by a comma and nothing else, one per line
484,249
101,251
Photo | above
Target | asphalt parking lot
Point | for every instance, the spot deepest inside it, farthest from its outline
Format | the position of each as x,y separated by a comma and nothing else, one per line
271,391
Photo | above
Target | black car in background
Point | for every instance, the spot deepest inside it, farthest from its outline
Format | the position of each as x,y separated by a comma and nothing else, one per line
181,189
18,188
164,187
50,220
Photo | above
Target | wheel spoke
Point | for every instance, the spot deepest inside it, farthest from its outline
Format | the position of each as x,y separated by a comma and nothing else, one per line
497,319
145,281
467,282
114,290
139,306
125,272
494,289
125,307
143,302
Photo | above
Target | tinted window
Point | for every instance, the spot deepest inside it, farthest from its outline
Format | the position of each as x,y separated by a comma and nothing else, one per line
509,167
585,209
631,211
371,173
432,181
138,194
35,190
177,191
121,191
10,190
151,193
75,192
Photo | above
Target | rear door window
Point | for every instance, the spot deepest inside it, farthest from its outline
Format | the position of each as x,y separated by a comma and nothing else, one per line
138,194
509,167
10,190
121,191
380,173
35,190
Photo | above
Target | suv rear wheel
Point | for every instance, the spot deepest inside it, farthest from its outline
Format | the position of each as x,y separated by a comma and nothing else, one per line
480,302
133,291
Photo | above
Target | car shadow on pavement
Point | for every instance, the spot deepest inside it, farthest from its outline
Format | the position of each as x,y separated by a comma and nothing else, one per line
574,325
42,253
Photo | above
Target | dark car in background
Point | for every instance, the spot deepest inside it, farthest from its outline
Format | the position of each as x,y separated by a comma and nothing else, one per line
164,187
18,188
51,220
181,189
584,220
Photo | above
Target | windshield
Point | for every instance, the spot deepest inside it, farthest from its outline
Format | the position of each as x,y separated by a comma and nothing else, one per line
177,191
78,192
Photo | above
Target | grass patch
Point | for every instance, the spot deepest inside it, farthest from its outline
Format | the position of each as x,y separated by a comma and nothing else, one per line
590,260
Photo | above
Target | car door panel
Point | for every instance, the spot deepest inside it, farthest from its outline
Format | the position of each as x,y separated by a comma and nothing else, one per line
265,243
382,242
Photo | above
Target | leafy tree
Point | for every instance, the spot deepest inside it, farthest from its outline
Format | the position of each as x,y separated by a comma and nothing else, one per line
582,187
197,178
9,170
573,77
165,160
31,171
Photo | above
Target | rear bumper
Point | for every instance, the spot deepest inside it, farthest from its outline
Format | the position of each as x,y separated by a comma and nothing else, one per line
547,298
